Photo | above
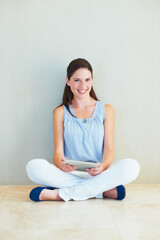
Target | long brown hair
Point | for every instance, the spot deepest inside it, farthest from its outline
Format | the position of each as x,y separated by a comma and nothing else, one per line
72,67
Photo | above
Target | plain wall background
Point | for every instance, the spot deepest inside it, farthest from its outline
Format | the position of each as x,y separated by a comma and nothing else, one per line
38,39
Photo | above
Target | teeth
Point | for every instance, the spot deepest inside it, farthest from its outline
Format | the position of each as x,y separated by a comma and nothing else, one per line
82,91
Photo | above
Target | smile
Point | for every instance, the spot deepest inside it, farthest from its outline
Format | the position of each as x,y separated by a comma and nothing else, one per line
82,92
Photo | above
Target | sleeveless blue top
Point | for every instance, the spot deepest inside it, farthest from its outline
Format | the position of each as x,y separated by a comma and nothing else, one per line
84,139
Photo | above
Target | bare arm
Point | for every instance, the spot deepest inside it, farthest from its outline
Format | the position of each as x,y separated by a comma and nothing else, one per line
58,116
58,156
109,122
108,152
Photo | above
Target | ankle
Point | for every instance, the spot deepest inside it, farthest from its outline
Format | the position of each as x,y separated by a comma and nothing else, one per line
57,195
112,193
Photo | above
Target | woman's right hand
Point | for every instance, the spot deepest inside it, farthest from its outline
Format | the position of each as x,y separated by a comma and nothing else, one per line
66,167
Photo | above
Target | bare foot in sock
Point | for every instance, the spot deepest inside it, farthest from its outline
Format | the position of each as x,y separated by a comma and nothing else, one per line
112,193
52,195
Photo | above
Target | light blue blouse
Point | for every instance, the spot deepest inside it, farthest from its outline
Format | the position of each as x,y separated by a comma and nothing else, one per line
84,140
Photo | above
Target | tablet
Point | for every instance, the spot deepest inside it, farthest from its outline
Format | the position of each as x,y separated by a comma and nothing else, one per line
81,164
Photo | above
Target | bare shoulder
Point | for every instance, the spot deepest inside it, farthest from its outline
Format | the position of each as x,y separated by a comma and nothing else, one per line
59,113
108,107
109,110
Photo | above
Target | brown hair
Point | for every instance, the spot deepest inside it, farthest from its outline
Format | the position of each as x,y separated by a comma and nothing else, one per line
72,67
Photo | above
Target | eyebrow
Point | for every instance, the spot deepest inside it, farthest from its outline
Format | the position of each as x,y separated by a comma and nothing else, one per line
79,78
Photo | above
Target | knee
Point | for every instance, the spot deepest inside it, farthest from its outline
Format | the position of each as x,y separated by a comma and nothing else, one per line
132,168
33,166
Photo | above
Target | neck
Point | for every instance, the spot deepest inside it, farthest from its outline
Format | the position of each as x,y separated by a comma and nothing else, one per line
82,103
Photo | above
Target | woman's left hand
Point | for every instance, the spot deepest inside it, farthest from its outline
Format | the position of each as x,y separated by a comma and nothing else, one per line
97,170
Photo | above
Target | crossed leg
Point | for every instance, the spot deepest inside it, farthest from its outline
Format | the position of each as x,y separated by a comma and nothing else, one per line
74,187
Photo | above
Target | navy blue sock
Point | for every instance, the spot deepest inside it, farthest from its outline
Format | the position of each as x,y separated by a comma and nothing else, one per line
34,194
121,192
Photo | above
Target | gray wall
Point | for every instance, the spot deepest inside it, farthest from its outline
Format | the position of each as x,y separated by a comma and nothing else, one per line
39,38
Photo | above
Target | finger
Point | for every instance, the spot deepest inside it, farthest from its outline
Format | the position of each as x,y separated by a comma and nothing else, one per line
90,172
68,169
95,172
71,167
66,165
94,169
88,169
75,167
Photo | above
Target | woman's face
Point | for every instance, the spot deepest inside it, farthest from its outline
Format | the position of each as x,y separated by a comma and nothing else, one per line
80,82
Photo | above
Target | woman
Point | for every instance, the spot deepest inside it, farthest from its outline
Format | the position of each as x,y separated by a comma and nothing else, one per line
83,130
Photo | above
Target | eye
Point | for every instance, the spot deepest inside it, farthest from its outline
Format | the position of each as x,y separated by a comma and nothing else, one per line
76,80
88,79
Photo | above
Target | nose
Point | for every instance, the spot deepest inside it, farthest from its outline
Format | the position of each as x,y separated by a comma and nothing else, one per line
83,86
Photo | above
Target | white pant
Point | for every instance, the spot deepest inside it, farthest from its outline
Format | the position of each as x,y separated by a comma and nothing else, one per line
80,185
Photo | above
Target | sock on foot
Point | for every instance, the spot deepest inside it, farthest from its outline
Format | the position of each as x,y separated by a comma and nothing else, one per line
121,192
34,194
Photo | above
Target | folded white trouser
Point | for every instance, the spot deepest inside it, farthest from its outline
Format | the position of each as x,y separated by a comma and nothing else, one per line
80,185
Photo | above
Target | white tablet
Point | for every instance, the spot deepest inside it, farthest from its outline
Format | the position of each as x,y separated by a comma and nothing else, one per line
81,164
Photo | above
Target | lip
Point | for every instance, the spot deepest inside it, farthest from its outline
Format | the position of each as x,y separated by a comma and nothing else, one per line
82,92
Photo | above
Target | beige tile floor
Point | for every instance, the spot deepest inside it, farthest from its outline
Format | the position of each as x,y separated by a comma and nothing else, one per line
136,217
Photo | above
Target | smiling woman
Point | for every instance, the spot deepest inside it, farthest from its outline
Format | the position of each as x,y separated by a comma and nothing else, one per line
80,82
79,73
83,129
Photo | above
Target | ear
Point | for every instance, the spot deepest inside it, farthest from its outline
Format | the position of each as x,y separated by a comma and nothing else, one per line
68,81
